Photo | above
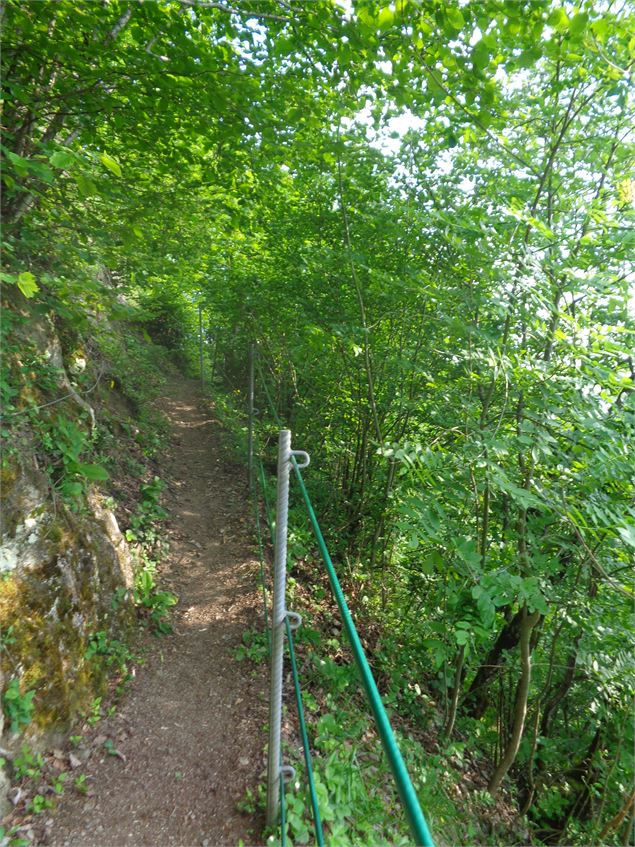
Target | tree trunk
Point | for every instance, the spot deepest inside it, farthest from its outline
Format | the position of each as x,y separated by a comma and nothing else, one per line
527,624
477,696
456,690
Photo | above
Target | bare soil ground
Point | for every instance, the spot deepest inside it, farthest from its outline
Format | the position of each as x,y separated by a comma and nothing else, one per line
189,731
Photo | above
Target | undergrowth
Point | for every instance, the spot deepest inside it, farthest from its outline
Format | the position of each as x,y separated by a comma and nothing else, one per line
357,797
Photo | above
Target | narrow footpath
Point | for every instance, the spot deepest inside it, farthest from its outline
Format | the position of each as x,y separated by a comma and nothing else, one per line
189,730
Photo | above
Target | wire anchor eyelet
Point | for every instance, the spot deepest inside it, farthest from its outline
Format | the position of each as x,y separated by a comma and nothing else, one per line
287,773
305,457
295,620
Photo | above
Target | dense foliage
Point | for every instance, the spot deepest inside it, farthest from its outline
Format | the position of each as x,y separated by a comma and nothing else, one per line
422,212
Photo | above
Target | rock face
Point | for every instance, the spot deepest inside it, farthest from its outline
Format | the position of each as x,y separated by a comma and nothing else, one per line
65,576
5,785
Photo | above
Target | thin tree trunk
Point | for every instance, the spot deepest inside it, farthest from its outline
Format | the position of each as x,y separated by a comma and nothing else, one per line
456,690
370,381
628,830
477,696
611,771
615,822
530,792
379,528
522,693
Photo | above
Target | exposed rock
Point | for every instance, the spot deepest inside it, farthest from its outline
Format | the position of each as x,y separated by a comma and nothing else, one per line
65,568
5,785
111,528
62,571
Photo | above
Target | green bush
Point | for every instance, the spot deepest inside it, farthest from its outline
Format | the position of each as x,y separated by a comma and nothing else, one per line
18,705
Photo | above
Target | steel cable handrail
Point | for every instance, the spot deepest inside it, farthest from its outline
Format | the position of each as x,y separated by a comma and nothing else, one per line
415,817
319,835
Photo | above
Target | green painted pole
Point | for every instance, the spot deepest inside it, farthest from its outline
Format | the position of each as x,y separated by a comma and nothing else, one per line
409,799
304,735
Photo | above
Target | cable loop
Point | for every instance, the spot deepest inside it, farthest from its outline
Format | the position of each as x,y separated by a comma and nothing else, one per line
287,773
305,456
295,620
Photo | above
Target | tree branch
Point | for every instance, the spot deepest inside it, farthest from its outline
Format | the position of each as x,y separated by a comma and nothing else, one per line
244,13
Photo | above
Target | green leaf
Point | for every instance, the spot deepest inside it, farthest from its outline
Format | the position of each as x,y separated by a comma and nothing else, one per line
386,17
455,17
528,57
20,164
526,499
578,25
558,20
365,18
40,170
85,186
92,472
110,163
27,284
62,159
600,29
466,548
430,563
480,55
484,602
413,541
69,488
628,534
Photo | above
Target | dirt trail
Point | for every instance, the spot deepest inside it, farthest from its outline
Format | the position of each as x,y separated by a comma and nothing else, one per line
190,726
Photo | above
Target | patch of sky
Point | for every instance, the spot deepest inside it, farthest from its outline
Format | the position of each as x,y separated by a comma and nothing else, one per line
389,137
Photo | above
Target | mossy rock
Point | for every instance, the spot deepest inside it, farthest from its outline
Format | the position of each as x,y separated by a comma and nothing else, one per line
61,573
